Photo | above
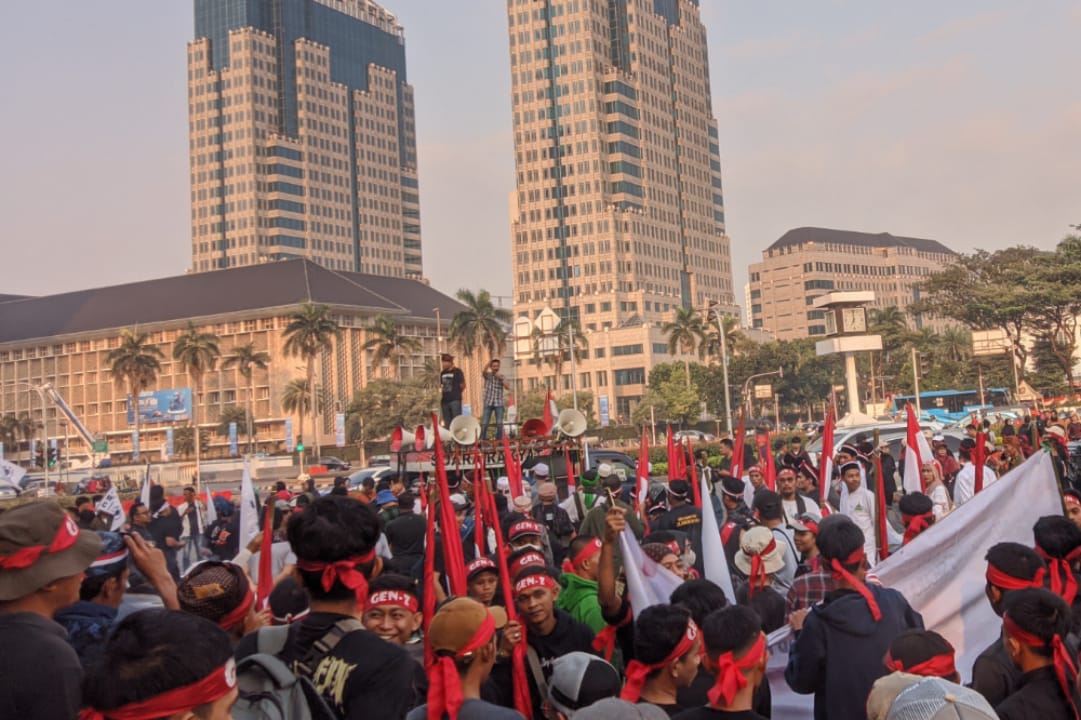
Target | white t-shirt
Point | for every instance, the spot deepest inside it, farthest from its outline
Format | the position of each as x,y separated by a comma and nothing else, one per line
791,508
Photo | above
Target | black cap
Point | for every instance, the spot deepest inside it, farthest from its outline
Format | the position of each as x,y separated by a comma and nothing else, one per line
679,488
766,501
732,486
915,504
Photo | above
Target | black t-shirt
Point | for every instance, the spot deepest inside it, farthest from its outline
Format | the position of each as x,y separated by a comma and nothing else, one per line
31,644
709,713
451,382
224,536
167,526
363,677
696,696
405,534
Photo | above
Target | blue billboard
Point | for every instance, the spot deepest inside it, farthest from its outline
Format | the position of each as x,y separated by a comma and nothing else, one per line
162,406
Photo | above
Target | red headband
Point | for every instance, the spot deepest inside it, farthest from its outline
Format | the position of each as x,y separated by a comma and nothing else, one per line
236,616
937,666
213,687
1063,582
587,552
811,525
1071,500
605,641
1064,666
915,524
730,678
445,690
392,598
344,571
66,536
841,573
1001,580
480,565
533,581
758,576
638,671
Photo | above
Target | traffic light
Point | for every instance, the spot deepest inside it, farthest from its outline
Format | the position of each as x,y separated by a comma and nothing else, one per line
39,458
53,456
925,364
300,444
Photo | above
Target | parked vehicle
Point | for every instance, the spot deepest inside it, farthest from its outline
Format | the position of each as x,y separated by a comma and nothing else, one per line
375,473
332,463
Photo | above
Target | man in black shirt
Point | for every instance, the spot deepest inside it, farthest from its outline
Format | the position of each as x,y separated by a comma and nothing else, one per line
362,676
165,528
684,517
405,534
452,385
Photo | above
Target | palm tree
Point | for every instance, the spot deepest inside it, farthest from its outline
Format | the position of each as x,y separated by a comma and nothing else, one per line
9,429
955,342
233,414
685,332
429,376
310,331
297,400
389,343
710,345
480,327
197,352
246,359
135,363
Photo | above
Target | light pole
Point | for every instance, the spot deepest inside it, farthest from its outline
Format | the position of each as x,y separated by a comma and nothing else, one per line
40,390
724,364
438,332
779,372
547,324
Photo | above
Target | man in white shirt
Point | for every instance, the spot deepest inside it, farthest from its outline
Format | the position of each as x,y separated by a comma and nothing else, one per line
964,486
858,503
793,503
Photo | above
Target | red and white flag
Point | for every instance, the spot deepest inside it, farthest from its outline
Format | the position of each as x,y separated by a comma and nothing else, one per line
917,452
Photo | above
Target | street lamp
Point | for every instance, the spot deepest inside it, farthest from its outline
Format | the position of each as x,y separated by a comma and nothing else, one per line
438,332
40,390
779,372
547,328
715,308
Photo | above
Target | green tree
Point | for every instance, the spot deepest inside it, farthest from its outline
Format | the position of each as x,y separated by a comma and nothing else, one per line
710,345
197,352
134,365
296,399
232,414
184,441
481,326
247,359
384,404
429,376
9,431
310,331
1054,286
685,331
389,344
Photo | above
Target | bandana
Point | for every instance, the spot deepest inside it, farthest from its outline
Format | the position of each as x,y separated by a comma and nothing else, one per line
590,550
344,571
839,572
66,536
445,690
290,617
938,666
730,679
638,671
213,687
1065,669
392,598
1004,581
758,577
915,524
605,641
1063,582
1071,500
533,581
237,614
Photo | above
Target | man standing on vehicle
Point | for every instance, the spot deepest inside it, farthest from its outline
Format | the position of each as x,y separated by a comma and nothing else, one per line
494,385
452,384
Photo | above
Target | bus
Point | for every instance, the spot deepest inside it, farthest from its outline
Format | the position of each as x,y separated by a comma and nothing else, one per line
953,405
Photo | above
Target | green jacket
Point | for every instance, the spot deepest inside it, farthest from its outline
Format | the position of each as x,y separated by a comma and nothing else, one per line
579,598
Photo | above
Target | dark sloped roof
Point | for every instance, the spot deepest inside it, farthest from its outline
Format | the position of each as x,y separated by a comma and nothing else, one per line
195,295
8,298
804,235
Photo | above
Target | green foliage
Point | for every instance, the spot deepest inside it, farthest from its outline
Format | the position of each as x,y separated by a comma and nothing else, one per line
388,343
480,327
671,399
384,404
231,414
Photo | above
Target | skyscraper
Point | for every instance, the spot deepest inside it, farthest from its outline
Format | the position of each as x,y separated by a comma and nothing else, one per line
618,214
302,137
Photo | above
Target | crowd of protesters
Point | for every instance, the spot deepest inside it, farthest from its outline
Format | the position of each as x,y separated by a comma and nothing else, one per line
453,596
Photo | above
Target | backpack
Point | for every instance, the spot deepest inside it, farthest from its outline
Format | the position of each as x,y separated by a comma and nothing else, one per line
270,690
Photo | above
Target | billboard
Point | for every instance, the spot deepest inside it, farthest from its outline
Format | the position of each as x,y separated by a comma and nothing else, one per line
161,406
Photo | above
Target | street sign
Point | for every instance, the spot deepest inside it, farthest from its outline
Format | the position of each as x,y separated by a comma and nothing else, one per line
100,446
763,392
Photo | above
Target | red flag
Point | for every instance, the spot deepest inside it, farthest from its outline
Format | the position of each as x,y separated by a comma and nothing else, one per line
453,559
479,489
641,475
549,415
694,483
913,460
825,463
266,576
572,484
429,573
765,455
736,466
979,458
880,519
673,462
513,469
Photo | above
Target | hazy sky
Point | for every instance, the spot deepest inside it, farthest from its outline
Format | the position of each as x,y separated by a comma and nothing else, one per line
957,121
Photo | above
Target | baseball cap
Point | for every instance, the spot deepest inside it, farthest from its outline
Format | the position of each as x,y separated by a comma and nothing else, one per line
27,535
524,528
541,470
807,522
481,564
616,709
579,680
457,621
938,699
522,559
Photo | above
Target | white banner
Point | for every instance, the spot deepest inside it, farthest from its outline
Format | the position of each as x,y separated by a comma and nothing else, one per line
110,505
648,582
11,473
942,572
249,509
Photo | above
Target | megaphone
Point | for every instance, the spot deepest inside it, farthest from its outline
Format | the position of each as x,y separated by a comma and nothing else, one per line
570,422
429,436
464,430
534,428
420,438
401,437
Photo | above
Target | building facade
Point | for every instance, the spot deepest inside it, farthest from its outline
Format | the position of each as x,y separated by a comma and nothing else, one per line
617,218
302,137
808,262
64,340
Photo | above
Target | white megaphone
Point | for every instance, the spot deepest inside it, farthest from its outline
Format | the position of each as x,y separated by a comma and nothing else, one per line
420,438
570,422
401,437
430,436
464,430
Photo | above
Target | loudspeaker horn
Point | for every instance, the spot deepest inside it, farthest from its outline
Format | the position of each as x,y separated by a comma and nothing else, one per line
401,437
534,428
429,436
421,438
465,430
570,422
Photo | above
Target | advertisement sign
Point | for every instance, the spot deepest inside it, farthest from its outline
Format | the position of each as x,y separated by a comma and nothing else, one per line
160,406
289,446
232,438
605,419
168,443
134,444
339,430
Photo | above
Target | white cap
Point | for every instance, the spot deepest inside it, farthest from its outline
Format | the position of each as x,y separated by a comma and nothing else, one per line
502,482
541,470
458,501
604,470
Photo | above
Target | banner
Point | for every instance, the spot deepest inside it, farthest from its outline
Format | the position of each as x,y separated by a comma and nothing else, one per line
1,452
648,582
289,445
110,505
134,445
169,449
11,473
606,417
249,509
232,439
339,430
158,406
941,572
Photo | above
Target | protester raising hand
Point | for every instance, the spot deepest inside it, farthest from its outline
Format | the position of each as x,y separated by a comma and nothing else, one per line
150,561
614,523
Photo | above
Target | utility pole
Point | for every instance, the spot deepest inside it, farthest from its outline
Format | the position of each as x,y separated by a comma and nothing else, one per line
724,364
574,367
916,380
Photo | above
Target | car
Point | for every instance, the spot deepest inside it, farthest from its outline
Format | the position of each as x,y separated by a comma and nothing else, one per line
622,464
8,491
892,433
375,473
333,464
692,435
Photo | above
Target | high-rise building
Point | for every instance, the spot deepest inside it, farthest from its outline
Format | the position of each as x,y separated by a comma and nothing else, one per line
807,262
618,214
302,137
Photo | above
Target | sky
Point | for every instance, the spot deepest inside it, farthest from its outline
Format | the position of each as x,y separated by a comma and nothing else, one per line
957,121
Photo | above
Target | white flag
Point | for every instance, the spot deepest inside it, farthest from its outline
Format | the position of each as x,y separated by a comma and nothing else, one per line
211,513
648,582
11,473
144,494
713,560
249,510
110,505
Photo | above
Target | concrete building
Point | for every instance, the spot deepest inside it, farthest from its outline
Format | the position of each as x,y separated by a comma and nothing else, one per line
808,262
617,218
302,137
64,340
